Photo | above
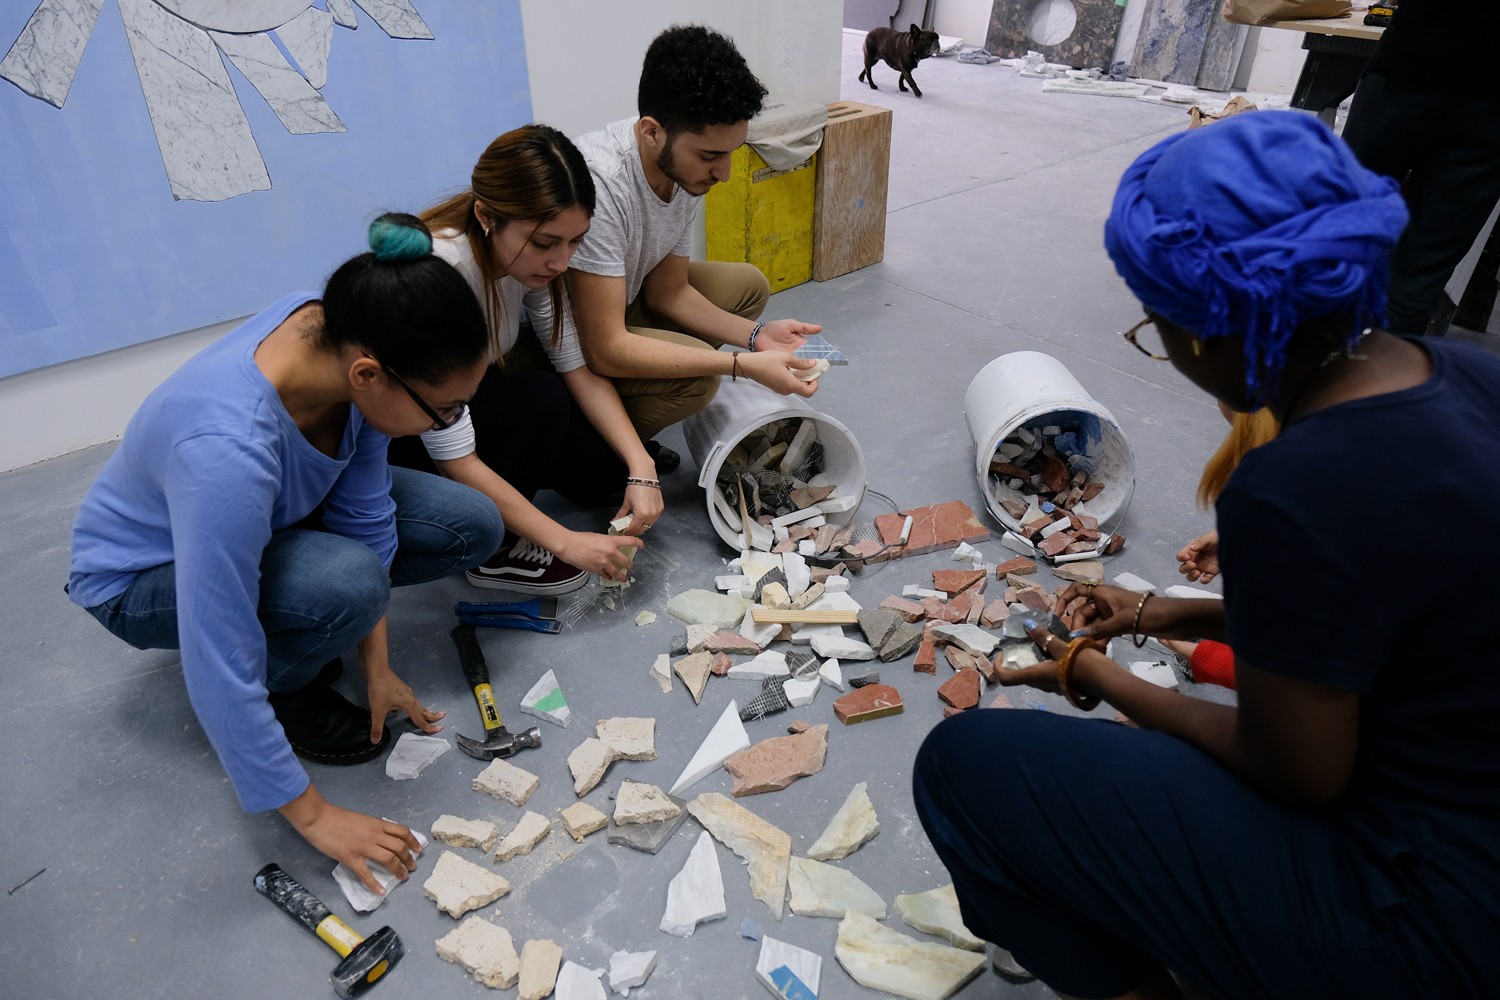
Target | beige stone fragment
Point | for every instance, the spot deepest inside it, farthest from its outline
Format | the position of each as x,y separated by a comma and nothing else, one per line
764,848
525,835
661,673
631,738
808,596
581,819
506,782
879,958
936,912
852,827
484,950
539,962
458,886
588,762
820,890
694,673
775,597
457,832
638,802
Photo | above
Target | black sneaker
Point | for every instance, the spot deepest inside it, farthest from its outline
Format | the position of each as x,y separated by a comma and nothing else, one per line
324,726
527,568
665,458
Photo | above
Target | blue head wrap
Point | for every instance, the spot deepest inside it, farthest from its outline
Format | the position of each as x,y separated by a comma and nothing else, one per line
1251,226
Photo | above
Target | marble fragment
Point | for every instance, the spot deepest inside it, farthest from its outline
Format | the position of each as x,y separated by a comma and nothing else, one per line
397,18
44,58
877,624
343,13
525,835
1085,571
773,764
630,737
764,848
696,893
801,691
853,826
355,891
798,576
504,780
458,832
936,912
694,671
644,618
760,634
638,802
574,982
287,92
545,700
768,664
872,701
540,959
728,641
308,38
661,672
629,969
841,647
806,966
588,762
824,890
458,886
649,838
775,596
485,951
832,674
879,958
412,755
1132,582
727,737
904,638
969,638
705,607
581,819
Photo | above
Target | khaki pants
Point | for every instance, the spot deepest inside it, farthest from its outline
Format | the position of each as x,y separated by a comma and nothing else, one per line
655,403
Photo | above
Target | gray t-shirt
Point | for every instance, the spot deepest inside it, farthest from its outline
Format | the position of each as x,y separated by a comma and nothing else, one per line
633,230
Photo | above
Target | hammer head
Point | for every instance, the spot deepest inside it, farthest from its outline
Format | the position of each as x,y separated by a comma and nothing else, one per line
367,964
500,743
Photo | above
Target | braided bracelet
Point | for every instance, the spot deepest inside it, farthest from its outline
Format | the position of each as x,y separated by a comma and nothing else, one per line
1065,673
1135,627
755,333
734,366
655,484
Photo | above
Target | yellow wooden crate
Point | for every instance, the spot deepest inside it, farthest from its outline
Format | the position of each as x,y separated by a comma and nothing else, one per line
764,217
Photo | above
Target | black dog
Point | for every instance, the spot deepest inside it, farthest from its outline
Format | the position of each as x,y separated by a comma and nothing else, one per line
901,50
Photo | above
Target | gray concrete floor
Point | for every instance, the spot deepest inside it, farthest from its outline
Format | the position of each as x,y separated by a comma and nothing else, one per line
998,195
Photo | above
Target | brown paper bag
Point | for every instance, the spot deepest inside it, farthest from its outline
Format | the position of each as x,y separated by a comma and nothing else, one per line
1197,117
1266,11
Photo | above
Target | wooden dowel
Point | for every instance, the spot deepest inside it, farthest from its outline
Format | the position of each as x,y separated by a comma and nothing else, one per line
826,616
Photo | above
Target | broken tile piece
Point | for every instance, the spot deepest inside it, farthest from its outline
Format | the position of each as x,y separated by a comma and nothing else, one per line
799,963
507,782
649,838
859,680
526,834
574,982
994,614
458,886
630,737
545,701
879,958
761,635
413,753
824,890
457,832
873,701
876,624
961,690
764,848
940,526
1088,571
801,691
645,618
726,738
539,962
1020,566
729,641
638,802
629,969
936,912
905,637
832,674
775,597
357,893
768,664
969,638
809,596
768,701
484,950
661,672
910,610
841,647
694,672
705,607
588,762
720,664
853,826
581,819
696,893
802,664
958,581
1132,582
773,764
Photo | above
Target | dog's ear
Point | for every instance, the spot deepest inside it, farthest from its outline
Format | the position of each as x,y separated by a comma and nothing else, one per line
916,31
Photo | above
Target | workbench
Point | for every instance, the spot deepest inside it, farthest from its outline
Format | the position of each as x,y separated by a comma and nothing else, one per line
1338,48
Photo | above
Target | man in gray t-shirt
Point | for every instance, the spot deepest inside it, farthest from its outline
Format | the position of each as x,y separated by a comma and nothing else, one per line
646,316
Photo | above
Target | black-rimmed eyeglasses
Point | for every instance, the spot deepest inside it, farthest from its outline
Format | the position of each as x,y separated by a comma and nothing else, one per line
1133,336
439,421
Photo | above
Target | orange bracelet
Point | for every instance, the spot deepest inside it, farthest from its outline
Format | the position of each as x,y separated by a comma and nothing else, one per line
1065,672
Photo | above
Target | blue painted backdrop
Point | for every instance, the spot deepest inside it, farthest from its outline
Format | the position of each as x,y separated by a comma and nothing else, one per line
95,254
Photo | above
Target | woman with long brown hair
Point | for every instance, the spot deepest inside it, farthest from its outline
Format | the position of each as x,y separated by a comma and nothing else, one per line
541,419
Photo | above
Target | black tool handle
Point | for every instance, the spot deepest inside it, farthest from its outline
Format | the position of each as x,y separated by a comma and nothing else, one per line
470,656
293,898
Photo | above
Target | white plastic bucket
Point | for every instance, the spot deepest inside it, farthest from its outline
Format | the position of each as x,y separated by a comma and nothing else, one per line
1034,390
738,410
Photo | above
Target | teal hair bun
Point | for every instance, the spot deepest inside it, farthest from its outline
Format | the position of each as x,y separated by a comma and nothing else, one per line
398,236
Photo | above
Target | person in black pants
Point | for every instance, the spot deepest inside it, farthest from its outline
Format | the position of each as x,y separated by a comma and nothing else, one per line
1337,832
1427,112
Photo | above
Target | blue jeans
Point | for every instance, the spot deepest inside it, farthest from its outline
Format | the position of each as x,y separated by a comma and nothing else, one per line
320,593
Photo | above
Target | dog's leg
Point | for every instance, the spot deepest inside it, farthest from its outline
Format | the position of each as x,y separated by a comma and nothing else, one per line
901,80
913,81
869,75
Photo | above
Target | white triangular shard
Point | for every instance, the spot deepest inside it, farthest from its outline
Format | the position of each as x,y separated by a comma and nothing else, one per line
768,664
879,958
696,893
805,965
760,634
545,701
852,827
801,691
820,890
725,739
798,576
831,674
936,912
841,647
629,969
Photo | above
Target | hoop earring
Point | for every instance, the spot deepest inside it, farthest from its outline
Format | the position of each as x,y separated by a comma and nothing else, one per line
485,230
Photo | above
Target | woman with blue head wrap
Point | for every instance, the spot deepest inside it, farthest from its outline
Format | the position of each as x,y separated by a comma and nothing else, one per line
1337,832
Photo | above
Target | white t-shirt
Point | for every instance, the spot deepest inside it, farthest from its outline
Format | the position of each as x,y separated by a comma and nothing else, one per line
633,230
505,328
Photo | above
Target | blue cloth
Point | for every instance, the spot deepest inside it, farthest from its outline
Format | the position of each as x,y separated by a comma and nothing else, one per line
1251,226
210,468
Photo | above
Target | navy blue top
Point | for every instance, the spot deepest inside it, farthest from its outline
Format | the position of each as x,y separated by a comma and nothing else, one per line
1358,552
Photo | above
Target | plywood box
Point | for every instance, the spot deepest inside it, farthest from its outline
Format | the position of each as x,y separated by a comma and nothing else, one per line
853,174
763,216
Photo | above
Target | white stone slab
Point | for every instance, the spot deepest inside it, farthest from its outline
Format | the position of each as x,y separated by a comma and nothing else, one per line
574,982
853,826
798,576
801,692
808,514
484,950
343,13
837,505
629,969
833,600
396,18
1183,590
458,886
44,58
838,584
545,700
1132,582
288,93
832,674
362,899
798,447
842,647
966,553
526,834
824,890
936,912
725,739
768,664
413,754
308,38
760,634
1016,543
879,958
805,634
241,15
805,965
969,638
696,893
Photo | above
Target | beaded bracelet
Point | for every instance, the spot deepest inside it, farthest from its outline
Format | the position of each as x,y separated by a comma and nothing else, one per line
755,333
1065,673
1135,627
655,484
